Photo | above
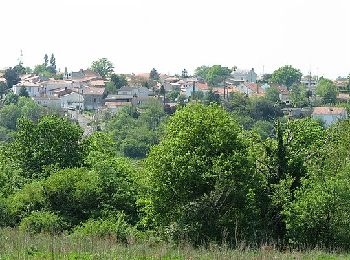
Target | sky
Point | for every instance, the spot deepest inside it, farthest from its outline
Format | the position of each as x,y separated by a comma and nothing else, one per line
170,35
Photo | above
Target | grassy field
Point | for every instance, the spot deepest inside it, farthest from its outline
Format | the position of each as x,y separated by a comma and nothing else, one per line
17,245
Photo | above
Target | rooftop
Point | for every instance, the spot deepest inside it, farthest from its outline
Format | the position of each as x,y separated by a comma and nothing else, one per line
328,110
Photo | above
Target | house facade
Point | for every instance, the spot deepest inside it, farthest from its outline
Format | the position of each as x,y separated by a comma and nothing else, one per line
93,97
329,115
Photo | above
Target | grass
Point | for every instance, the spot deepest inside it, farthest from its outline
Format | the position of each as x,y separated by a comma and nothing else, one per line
18,245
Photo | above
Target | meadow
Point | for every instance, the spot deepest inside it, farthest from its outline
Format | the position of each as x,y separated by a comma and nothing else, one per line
15,244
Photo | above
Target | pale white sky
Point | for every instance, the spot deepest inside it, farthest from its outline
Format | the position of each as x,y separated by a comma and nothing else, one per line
137,35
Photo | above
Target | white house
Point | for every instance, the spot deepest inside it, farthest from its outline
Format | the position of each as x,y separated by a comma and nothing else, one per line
244,76
50,85
33,89
72,100
134,91
329,115
53,102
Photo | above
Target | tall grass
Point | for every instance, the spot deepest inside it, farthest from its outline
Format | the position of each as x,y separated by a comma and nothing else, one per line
18,245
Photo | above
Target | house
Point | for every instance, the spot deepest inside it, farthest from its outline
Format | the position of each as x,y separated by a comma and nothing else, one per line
47,87
343,97
250,89
342,84
241,76
310,83
225,92
73,100
98,83
117,102
283,94
202,87
33,89
52,102
329,115
93,97
81,74
134,91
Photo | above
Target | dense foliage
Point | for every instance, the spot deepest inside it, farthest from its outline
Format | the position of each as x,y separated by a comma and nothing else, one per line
225,171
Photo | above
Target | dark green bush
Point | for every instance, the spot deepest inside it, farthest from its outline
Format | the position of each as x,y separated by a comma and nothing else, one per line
42,222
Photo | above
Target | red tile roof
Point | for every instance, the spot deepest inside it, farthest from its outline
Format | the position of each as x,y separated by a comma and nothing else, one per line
202,86
328,110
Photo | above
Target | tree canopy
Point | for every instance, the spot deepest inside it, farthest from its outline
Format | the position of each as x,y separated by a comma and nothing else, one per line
12,77
327,90
103,67
286,75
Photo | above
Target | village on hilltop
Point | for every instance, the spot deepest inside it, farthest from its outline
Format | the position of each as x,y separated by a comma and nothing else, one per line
88,90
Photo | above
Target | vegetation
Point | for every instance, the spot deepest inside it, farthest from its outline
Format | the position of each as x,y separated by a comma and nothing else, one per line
47,68
286,75
214,75
217,175
103,67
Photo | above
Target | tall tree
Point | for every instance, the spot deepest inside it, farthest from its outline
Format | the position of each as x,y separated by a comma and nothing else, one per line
273,94
154,75
20,69
327,90
23,92
46,60
286,75
200,178
51,141
201,72
52,67
103,67
12,77
217,74
298,95
119,81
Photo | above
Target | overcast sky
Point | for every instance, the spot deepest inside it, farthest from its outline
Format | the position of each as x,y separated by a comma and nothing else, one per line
137,35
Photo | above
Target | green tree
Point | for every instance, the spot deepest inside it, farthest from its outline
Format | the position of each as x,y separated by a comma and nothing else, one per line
23,92
154,75
265,129
217,74
173,95
286,75
273,94
11,98
201,71
298,95
200,182
212,97
73,193
327,90
103,67
53,61
12,77
20,69
16,107
116,82
3,88
263,109
162,92
46,60
50,141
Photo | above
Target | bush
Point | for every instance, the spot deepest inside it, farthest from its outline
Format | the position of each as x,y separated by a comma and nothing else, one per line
115,227
42,222
20,204
74,193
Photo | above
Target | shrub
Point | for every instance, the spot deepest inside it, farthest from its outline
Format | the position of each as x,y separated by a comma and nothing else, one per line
20,204
115,227
42,222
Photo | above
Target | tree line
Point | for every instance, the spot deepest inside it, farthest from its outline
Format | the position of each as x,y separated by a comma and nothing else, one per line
199,175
